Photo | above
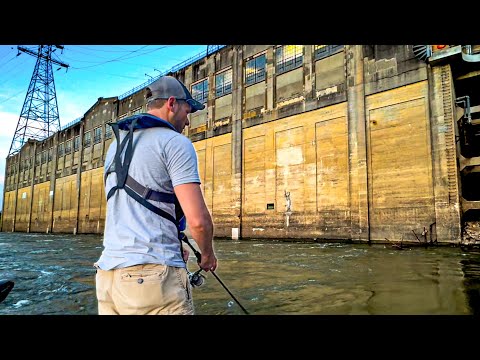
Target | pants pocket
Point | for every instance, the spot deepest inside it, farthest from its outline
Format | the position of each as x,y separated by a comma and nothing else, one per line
142,273
151,289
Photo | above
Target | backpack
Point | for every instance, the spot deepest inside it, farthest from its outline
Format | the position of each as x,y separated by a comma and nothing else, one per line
124,181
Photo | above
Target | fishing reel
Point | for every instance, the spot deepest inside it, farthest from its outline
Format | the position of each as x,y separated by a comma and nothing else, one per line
195,278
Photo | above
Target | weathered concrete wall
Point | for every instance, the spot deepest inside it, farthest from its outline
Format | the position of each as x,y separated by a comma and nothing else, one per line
41,215
296,177
215,168
91,214
223,107
65,205
22,214
255,96
400,182
329,72
289,85
8,214
353,145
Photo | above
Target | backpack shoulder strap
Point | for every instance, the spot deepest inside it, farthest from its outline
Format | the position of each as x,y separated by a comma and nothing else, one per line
124,181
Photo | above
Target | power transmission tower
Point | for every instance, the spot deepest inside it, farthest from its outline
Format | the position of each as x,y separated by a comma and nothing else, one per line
39,117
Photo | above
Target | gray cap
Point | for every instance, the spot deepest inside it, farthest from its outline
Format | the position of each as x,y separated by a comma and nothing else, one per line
168,86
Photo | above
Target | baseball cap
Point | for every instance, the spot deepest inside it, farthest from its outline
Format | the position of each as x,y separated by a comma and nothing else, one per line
167,86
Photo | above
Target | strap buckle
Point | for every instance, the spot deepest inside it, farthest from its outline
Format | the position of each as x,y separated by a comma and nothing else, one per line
146,193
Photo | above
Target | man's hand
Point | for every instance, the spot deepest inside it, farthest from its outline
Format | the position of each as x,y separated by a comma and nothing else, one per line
209,262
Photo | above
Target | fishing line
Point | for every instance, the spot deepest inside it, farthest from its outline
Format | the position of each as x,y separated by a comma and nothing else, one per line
199,257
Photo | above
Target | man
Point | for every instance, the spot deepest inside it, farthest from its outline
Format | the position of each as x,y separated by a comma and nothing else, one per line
141,269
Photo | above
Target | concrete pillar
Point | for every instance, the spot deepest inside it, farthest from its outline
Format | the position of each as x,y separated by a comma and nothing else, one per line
17,180
53,176
309,76
32,187
270,78
79,176
445,171
357,143
237,139
211,94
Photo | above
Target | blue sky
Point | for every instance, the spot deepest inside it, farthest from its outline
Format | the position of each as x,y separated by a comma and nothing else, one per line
94,71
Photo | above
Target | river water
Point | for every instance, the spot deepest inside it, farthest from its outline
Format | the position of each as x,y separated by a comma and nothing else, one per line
53,274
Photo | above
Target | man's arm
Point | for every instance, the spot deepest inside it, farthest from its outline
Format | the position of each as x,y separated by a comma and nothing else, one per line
199,221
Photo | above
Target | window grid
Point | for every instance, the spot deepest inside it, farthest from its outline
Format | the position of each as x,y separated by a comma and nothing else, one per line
255,70
322,51
97,135
108,131
68,146
88,139
60,149
288,57
76,143
223,83
44,157
200,91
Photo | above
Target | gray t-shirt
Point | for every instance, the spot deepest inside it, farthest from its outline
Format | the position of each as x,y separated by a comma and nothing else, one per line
162,159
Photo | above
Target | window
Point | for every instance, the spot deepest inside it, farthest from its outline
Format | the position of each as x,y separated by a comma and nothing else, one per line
44,156
61,149
322,51
37,159
68,146
223,83
76,143
255,69
97,135
50,154
200,91
87,138
108,131
288,57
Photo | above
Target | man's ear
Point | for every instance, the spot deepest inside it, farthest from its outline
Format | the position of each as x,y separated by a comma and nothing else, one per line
171,102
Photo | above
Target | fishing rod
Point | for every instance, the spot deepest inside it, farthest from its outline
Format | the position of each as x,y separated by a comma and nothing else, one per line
198,278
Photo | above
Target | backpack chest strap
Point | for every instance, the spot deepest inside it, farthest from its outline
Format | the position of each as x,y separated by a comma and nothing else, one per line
148,193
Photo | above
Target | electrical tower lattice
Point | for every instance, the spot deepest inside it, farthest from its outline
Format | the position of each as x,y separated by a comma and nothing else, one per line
39,118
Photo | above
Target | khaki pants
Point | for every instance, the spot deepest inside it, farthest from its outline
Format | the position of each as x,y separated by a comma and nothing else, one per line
147,289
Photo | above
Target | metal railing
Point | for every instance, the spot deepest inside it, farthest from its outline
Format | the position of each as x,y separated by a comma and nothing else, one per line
210,50
71,123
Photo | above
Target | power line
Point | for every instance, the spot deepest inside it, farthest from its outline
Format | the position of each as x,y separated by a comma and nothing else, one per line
88,48
124,57
39,116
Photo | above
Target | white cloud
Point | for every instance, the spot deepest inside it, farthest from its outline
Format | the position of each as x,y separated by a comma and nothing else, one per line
69,110
8,124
